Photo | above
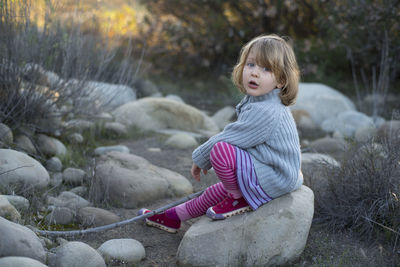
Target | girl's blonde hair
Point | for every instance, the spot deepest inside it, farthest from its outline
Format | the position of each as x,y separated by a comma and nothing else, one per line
274,53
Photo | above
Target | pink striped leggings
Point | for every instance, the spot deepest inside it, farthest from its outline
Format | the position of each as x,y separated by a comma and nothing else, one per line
223,160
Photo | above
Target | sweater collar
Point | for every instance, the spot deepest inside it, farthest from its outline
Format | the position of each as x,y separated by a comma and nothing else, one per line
273,95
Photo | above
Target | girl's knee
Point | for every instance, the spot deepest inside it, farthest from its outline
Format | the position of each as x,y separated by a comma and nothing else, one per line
220,145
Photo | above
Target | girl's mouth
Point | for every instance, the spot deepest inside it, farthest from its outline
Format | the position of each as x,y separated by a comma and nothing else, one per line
253,85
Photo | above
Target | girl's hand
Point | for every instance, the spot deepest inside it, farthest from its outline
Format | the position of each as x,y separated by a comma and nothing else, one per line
196,172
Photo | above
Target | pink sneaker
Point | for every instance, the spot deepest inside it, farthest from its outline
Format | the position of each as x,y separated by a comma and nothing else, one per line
161,221
227,208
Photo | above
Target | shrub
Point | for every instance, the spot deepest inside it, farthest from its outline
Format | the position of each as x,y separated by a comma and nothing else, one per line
364,193
45,68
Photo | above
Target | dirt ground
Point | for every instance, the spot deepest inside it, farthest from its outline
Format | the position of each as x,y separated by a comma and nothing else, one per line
324,248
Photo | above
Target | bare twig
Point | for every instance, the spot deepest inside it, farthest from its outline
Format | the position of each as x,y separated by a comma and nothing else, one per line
384,226
16,169
117,224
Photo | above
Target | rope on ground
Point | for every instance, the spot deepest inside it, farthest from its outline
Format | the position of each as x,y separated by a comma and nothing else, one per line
117,224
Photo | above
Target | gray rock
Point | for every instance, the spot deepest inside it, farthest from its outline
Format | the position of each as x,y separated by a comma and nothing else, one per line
347,123
275,234
105,149
53,164
79,125
6,135
332,146
74,176
305,125
161,113
146,88
389,129
115,128
224,116
182,141
19,168
108,96
50,146
91,216
315,168
79,190
77,254
75,138
129,251
24,143
20,203
128,180
18,240
69,200
51,123
56,179
7,210
20,262
321,102
171,132
60,215
365,134
175,98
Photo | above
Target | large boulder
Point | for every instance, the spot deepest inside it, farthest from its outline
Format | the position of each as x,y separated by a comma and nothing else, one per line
18,240
159,113
17,168
321,102
275,234
128,180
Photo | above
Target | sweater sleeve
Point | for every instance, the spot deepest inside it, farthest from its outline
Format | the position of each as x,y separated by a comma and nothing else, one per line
253,126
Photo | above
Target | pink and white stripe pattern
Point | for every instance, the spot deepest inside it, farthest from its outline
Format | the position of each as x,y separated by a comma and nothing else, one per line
223,160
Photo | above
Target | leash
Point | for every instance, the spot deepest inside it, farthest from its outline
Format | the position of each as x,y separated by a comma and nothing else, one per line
117,224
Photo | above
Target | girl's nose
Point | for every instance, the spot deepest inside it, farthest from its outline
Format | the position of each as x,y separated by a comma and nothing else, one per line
254,72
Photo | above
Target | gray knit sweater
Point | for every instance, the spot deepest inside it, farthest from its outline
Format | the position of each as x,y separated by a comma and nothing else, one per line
266,129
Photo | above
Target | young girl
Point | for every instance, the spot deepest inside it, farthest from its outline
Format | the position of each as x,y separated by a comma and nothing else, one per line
257,158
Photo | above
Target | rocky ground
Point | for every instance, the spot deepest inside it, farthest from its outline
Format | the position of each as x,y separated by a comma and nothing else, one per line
324,247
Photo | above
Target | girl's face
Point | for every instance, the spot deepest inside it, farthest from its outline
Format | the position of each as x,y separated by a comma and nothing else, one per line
257,80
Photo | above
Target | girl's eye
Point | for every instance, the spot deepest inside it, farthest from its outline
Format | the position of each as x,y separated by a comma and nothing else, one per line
250,64
265,69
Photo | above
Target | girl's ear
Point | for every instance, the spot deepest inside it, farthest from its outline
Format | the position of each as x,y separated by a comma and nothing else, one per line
280,85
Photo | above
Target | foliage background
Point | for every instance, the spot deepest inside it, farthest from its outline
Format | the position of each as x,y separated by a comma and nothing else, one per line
336,41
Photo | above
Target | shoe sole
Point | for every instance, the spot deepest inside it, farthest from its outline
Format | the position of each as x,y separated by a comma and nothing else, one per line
215,216
156,225
160,226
